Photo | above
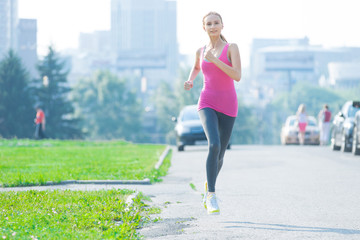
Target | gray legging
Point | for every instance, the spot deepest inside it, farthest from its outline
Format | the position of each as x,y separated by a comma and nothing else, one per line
217,127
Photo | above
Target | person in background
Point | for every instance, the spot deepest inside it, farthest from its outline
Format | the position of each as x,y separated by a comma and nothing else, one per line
302,122
40,122
324,117
220,64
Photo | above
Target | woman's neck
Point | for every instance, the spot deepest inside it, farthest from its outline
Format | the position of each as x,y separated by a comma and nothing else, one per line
214,42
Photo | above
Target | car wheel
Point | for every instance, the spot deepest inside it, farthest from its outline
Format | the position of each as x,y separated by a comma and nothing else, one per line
355,150
344,143
181,148
333,145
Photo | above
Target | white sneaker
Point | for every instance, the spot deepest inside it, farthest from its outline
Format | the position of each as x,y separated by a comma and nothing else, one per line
212,205
205,194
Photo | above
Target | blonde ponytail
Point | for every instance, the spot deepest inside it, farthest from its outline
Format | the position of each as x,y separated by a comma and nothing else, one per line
223,38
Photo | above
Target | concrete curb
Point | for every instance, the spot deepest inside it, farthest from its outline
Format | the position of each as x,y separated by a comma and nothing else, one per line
145,181
162,157
129,200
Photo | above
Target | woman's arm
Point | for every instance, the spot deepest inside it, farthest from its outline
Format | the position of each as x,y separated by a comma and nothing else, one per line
235,71
194,71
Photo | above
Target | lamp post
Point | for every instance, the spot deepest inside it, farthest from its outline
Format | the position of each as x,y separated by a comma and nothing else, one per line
45,81
47,95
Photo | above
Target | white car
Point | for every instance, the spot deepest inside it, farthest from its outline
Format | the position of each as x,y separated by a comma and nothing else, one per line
290,131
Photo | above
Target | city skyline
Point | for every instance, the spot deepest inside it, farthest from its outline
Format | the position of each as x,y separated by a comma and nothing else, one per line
328,23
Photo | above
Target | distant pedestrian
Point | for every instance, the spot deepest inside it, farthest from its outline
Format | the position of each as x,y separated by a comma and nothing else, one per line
324,122
217,105
40,122
302,122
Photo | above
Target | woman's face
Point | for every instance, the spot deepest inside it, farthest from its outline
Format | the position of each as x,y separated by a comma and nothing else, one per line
213,25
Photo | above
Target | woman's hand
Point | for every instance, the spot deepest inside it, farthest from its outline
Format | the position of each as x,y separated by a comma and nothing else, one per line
188,85
234,71
209,56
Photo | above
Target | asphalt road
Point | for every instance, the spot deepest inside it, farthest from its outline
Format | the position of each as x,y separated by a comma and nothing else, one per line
265,192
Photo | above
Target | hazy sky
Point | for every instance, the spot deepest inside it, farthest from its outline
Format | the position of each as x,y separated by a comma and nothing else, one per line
325,22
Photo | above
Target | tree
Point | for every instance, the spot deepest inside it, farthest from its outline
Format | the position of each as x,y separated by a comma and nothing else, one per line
188,97
312,96
245,126
52,93
167,106
276,112
109,110
16,108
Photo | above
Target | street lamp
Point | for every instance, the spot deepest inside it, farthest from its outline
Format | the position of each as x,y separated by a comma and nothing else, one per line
143,84
45,81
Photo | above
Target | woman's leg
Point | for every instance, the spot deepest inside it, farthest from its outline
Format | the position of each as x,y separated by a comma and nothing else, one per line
326,129
302,129
210,124
37,130
226,124
302,138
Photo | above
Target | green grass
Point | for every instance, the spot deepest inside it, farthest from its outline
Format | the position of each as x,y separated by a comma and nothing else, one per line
28,162
193,186
71,215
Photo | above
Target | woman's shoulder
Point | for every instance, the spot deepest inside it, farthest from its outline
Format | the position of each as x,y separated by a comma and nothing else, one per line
233,49
200,50
233,46
198,53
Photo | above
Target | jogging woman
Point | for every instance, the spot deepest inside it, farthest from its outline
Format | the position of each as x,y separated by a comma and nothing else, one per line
220,64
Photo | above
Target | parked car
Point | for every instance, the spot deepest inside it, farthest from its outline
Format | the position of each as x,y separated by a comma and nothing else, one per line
356,135
343,127
290,131
188,127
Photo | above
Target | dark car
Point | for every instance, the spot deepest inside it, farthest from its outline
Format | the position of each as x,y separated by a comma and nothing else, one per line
356,135
343,127
188,127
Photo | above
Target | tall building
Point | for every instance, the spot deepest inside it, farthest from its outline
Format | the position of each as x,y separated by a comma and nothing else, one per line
8,25
98,42
260,43
27,44
144,38
278,64
344,74
94,53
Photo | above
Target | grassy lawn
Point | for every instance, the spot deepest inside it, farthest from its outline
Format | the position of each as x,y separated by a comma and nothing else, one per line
71,215
28,162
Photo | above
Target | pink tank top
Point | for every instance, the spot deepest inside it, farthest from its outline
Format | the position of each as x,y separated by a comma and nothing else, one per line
218,90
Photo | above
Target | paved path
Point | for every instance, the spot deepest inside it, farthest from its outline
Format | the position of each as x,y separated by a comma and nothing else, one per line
266,192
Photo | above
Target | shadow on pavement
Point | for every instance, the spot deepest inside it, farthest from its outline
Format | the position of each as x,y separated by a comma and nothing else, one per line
291,228
166,227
